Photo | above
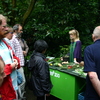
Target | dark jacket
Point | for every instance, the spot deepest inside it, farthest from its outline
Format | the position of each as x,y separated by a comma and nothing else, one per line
40,74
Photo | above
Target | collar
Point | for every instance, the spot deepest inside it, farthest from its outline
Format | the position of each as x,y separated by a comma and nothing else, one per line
39,54
97,40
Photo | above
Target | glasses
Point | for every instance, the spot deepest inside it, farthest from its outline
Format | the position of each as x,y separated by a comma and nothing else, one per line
11,32
4,26
20,30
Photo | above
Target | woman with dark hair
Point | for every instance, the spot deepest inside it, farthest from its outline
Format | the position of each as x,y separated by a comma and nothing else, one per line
41,83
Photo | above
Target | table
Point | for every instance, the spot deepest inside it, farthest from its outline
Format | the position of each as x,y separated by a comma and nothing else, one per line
66,85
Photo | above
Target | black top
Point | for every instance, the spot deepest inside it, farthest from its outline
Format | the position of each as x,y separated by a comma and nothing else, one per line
40,74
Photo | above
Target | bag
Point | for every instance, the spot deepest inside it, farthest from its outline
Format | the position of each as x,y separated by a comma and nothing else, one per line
19,78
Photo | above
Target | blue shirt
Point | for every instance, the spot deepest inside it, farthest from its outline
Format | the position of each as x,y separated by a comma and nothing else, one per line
92,64
6,55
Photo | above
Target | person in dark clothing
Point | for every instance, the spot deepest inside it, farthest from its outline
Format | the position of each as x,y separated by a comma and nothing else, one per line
41,83
92,67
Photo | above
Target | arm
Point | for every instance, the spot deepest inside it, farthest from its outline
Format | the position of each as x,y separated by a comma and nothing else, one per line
9,68
75,61
31,63
44,77
26,48
77,51
90,68
95,81
18,61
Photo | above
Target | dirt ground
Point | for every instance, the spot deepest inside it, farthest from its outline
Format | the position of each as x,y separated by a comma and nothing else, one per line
30,96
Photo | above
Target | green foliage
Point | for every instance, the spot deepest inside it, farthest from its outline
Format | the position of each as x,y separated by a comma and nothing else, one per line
51,20
64,50
14,10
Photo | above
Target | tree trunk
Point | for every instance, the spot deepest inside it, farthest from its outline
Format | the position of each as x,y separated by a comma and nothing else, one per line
28,11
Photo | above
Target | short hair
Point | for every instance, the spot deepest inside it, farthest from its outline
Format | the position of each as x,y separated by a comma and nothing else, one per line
16,27
96,31
10,29
1,18
40,46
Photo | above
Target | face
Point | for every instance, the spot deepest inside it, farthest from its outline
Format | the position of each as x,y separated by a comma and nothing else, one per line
72,36
2,74
20,29
19,32
9,35
3,29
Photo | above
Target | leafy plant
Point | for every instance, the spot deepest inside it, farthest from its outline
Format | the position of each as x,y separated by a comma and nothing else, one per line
64,50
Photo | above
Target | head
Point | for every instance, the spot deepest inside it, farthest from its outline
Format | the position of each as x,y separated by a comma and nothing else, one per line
74,34
3,26
2,74
96,33
18,30
9,34
40,46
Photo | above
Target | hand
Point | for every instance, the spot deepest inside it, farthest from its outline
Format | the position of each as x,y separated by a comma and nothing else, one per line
81,63
24,52
47,94
76,62
15,61
14,64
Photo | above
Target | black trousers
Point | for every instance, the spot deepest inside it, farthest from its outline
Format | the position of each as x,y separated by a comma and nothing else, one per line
43,98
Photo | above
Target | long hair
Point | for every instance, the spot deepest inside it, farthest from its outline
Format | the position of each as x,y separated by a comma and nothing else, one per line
74,32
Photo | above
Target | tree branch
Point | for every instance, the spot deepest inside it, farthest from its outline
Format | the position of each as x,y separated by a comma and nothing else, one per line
29,10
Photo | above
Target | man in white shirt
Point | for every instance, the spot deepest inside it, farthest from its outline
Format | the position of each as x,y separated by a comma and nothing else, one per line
17,49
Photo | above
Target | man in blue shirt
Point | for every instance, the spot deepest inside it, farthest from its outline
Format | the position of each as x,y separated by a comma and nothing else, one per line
9,88
92,67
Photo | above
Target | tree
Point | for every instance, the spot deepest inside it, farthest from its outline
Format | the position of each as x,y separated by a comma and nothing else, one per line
17,11
51,20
